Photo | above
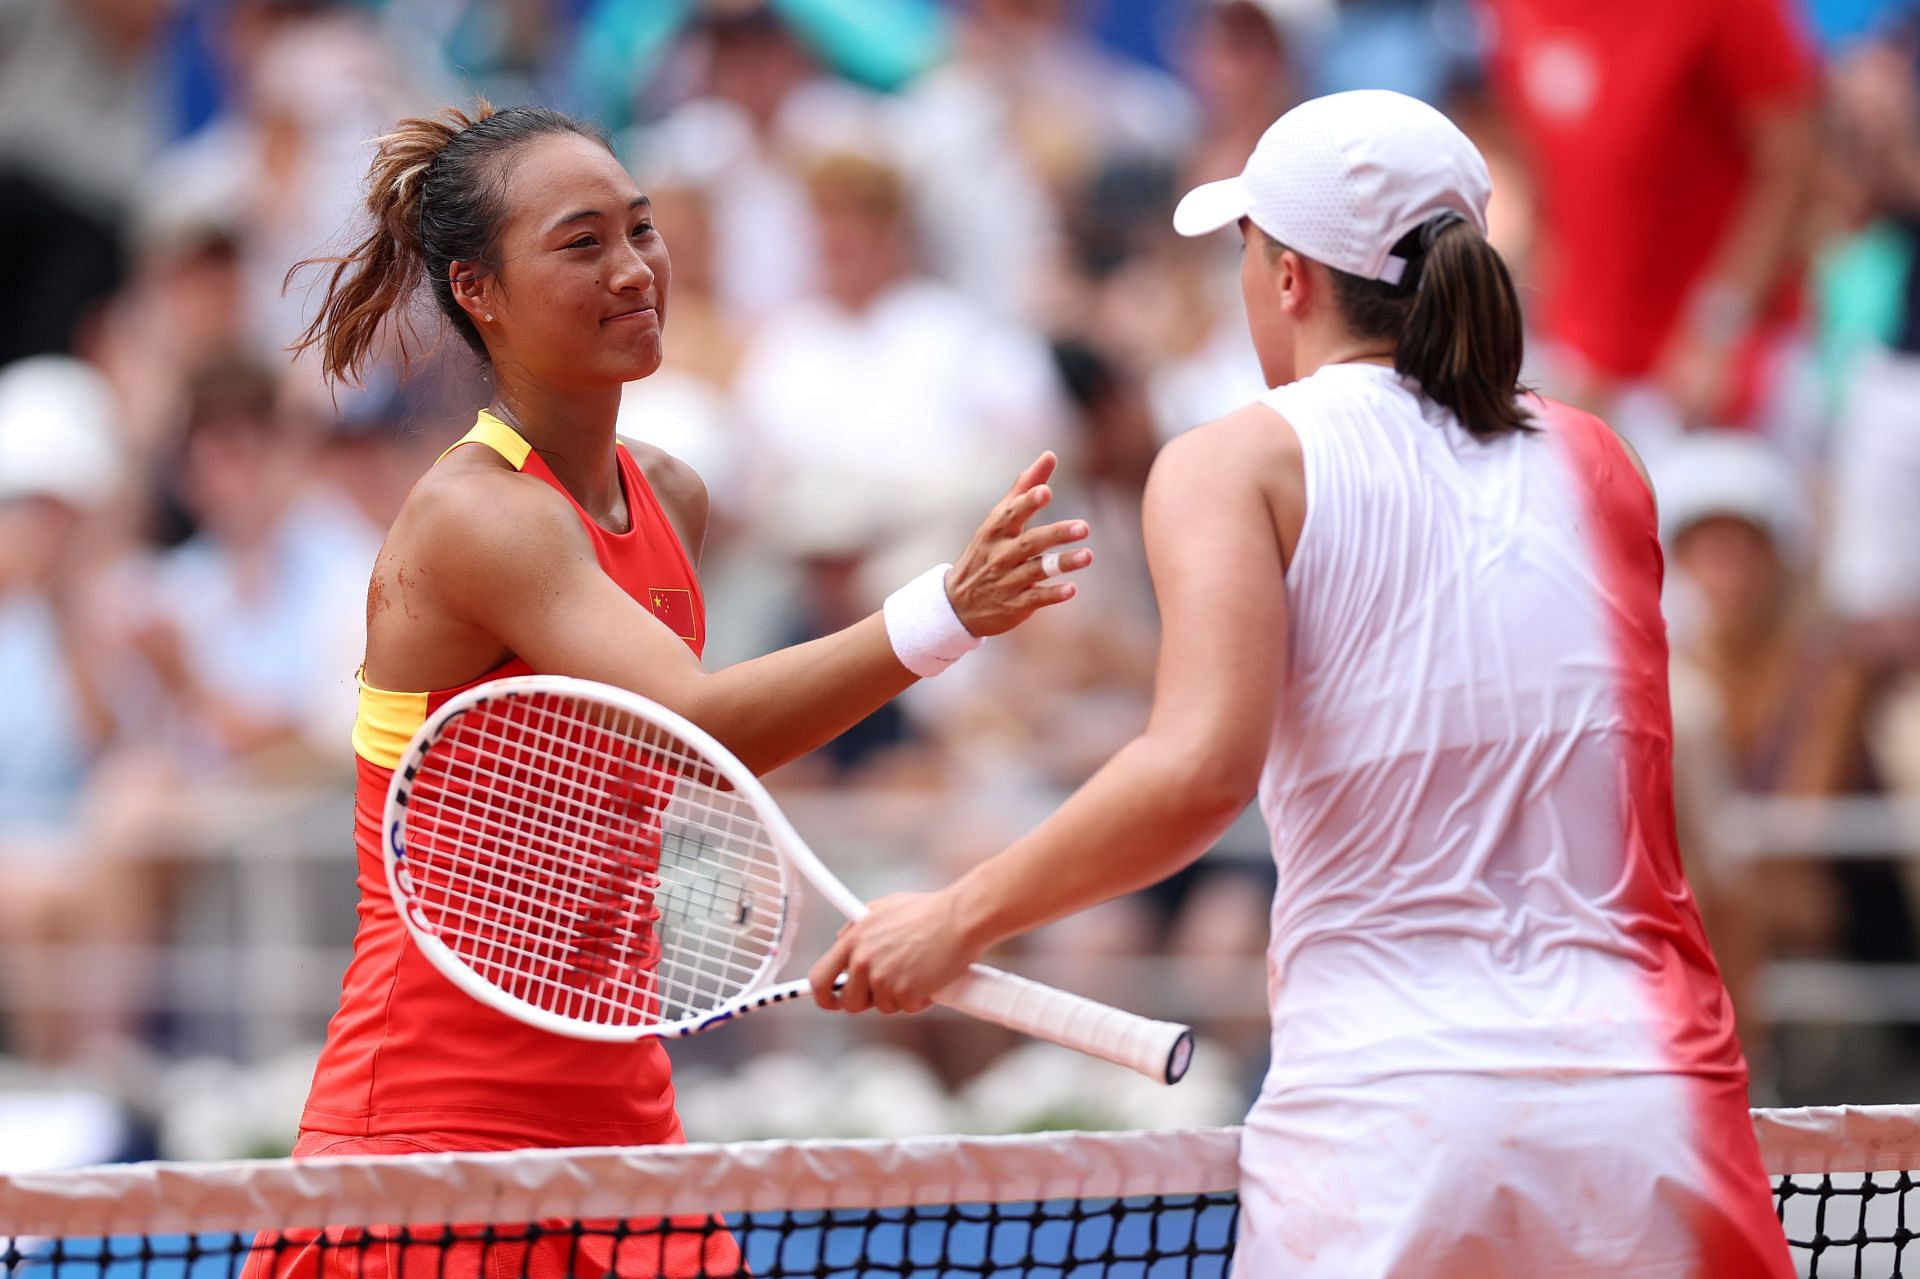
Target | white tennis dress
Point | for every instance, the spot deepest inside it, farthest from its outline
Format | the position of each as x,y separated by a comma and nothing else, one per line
1500,1044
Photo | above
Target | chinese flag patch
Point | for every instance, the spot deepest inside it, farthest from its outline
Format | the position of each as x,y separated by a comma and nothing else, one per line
674,606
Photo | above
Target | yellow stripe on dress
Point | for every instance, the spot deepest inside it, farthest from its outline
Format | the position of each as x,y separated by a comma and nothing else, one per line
387,721
385,724
498,436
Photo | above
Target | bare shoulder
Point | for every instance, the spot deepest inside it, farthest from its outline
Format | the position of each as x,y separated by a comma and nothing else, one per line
1250,453
681,492
1253,436
472,510
476,541
673,481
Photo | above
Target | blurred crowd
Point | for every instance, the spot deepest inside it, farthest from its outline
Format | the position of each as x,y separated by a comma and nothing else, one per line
913,243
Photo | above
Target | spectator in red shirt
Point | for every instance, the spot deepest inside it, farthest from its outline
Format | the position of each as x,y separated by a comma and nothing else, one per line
1670,144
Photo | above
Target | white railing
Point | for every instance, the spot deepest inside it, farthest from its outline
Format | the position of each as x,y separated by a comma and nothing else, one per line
261,951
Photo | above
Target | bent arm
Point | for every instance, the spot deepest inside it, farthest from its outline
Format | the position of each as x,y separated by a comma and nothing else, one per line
1212,531
1171,792
511,560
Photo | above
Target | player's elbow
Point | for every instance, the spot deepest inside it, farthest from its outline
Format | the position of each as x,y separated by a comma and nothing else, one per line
738,719
705,702
1215,798
1211,779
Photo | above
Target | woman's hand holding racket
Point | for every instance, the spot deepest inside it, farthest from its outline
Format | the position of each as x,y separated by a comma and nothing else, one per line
894,958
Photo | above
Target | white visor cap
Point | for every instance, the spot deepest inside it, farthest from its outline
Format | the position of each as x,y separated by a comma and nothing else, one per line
1342,178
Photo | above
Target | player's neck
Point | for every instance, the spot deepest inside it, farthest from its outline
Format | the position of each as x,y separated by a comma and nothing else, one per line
572,431
1317,346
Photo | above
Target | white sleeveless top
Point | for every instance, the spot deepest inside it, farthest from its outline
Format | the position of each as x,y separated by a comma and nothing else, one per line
1468,787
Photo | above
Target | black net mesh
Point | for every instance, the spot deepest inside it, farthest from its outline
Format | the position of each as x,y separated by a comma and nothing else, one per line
1166,1237
1851,1224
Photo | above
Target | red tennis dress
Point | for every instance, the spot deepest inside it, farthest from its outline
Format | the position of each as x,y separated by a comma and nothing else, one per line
412,1064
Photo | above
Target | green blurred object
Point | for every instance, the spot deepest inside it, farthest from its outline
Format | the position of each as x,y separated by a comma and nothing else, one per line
1861,285
618,50
881,44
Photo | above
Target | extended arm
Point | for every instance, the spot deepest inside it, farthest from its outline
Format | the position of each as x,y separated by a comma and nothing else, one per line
510,560
1167,795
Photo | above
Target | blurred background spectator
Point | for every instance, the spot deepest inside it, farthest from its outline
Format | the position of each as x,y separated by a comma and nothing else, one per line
79,120
914,241
887,393
1670,146
59,467
1765,704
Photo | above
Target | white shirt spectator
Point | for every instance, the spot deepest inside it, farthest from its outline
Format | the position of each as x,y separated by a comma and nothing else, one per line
285,641
953,139
1214,380
763,241
284,172
46,757
917,408
73,108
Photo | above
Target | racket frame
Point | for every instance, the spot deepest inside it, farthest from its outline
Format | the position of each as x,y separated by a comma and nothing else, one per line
715,756
1157,1049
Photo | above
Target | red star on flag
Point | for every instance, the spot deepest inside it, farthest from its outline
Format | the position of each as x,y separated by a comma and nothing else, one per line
674,606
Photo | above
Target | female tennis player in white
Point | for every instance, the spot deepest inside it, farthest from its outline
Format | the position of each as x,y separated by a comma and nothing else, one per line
1418,611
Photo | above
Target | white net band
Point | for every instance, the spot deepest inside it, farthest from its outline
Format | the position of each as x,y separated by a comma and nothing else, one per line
246,1196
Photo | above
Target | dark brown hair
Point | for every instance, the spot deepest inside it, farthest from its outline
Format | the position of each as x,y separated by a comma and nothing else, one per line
436,194
1454,320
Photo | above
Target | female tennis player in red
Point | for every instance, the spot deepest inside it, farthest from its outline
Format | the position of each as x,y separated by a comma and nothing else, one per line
1418,613
539,543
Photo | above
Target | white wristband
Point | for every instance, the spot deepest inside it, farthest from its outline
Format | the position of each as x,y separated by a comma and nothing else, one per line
926,634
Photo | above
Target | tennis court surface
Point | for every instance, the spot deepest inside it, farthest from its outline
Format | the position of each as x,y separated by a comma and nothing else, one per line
1135,1205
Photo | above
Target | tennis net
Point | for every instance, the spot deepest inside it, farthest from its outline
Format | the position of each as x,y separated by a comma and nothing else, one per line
1136,1205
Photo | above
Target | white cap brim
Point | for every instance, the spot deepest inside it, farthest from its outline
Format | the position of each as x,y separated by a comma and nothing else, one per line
1212,205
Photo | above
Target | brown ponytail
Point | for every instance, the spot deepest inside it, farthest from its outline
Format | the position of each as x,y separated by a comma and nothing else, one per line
1462,339
436,195
1454,320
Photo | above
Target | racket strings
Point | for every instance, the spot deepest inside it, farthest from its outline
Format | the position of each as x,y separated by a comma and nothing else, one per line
589,948
589,943
588,862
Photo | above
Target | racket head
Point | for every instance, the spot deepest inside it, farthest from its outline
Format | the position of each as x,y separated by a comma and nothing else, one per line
585,860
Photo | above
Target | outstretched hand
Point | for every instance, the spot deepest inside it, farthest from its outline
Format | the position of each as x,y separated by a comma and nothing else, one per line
1003,576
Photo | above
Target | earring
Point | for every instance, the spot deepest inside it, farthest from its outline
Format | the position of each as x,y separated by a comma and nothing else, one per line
489,315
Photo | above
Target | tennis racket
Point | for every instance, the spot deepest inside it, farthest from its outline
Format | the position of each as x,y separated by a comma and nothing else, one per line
594,864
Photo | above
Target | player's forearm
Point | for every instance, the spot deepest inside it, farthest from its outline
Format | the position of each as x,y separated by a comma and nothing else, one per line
1152,809
773,709
1762,236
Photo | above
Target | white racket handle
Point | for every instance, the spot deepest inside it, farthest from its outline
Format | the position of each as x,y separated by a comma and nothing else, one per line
1160,1050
